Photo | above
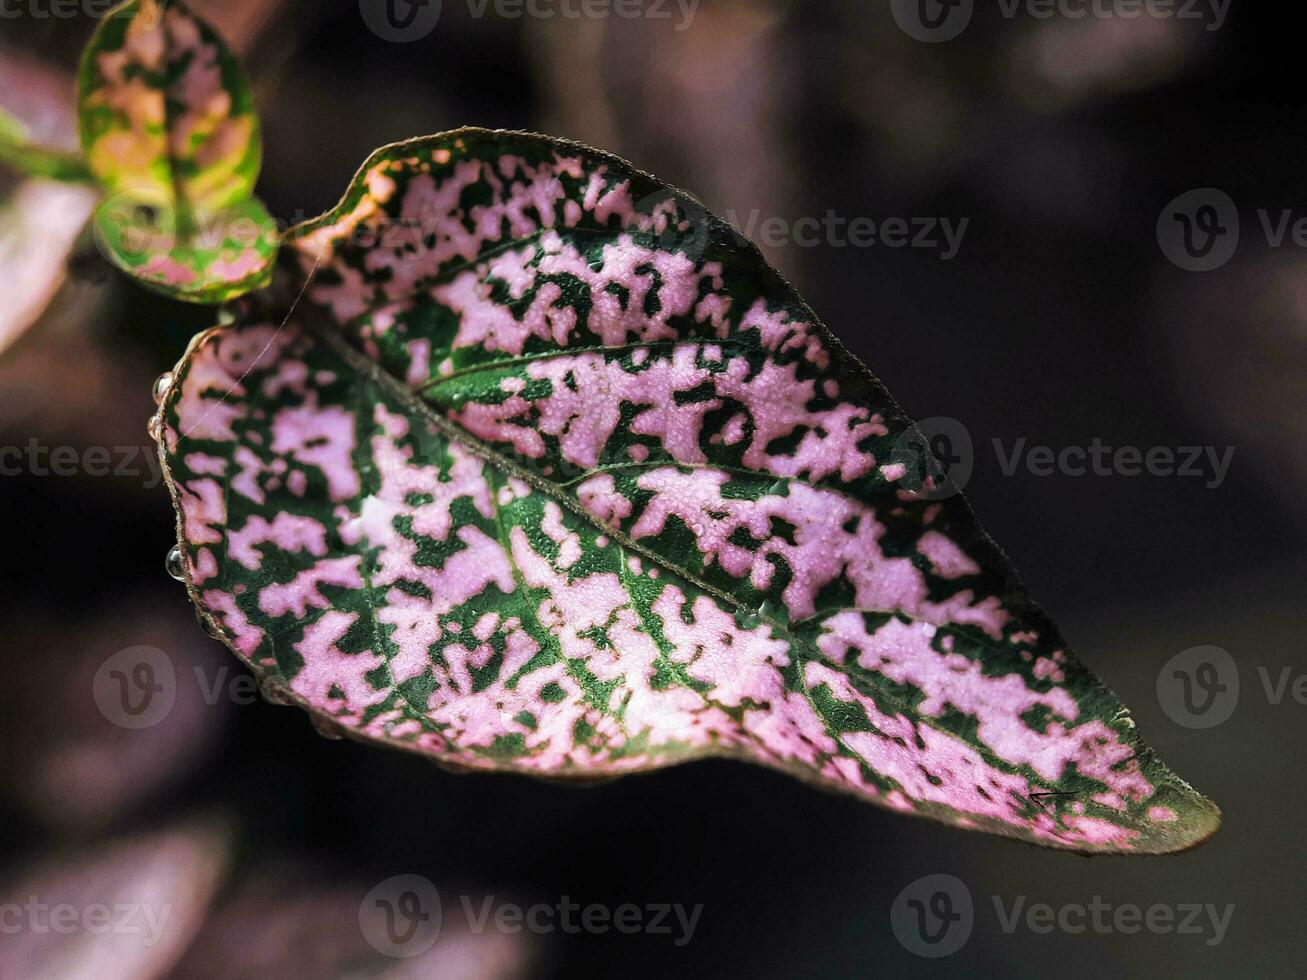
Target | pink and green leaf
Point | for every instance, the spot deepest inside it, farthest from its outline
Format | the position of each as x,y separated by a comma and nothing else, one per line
169,127
213,257
165,105
548,472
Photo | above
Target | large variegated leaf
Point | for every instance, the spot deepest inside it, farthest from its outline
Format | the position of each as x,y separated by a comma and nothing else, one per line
547,472
169,127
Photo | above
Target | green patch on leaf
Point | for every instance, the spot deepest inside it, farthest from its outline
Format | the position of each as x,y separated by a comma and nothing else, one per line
168,126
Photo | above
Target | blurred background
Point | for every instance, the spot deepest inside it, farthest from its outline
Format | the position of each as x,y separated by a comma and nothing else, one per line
1060,318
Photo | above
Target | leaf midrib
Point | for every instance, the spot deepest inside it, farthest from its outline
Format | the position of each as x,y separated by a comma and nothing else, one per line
327,334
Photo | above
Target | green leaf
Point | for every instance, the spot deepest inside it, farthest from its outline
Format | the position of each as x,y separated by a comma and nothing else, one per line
31,160
549,472
211,258
164,106
168,125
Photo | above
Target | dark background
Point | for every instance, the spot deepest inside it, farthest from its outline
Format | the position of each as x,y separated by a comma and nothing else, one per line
1060,320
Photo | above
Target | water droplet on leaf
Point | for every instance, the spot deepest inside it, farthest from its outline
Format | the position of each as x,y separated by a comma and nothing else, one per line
774,612
161,385
747,619
209,626
175,563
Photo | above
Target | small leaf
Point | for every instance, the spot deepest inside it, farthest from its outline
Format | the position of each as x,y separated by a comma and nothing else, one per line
550,473
169,127
31,160
213,257
164,105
